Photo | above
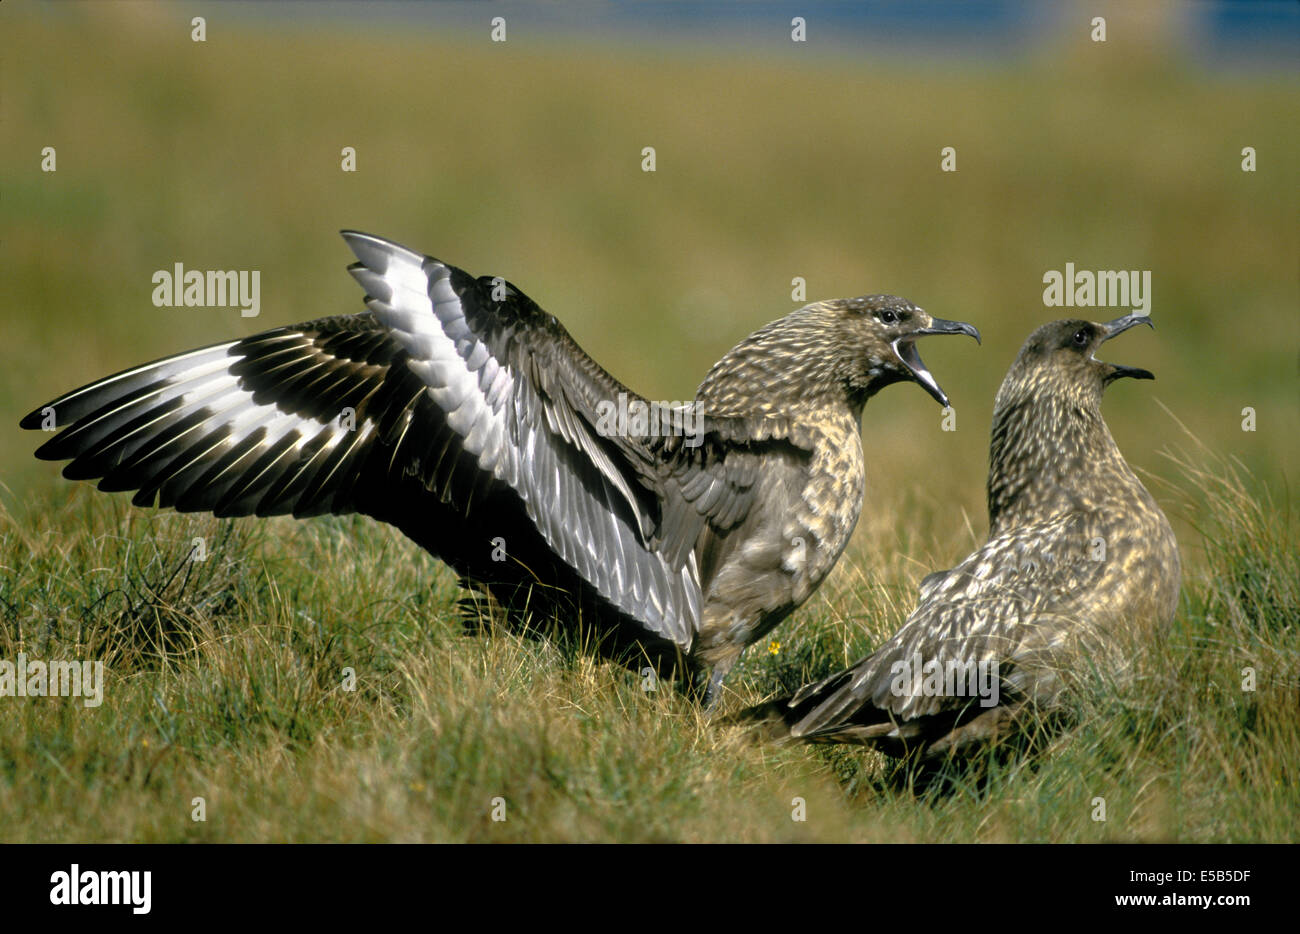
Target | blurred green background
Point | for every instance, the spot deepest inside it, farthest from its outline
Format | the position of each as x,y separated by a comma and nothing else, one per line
774,160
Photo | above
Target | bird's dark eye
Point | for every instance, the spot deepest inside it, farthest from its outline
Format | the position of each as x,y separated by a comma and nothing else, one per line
1081,337
888,316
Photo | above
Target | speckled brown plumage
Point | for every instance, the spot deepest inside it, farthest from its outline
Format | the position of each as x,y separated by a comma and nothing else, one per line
1080,570
459,411
806,378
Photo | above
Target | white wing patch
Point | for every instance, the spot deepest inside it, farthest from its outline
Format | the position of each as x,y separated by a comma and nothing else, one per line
513,433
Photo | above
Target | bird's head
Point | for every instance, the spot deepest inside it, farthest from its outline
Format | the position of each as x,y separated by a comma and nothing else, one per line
830,352
1049,443
878,342
1062,357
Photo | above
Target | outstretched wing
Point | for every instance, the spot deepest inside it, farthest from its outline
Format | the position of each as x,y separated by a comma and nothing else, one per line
1007,607
272,424
444,371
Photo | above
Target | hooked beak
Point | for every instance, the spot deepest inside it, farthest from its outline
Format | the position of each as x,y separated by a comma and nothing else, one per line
905,349
1119,326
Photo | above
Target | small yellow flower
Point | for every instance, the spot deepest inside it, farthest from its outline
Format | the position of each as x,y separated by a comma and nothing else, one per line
774,647
145,743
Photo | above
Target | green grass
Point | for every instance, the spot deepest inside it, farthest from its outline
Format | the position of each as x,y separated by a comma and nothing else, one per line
225,677
226,681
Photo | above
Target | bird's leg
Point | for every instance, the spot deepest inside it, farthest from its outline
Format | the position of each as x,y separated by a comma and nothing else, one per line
714,690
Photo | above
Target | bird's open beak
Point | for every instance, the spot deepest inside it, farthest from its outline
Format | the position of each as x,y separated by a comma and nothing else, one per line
905,348
1119,326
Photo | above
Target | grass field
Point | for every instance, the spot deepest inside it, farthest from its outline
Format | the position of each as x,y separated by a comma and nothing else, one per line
224,678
